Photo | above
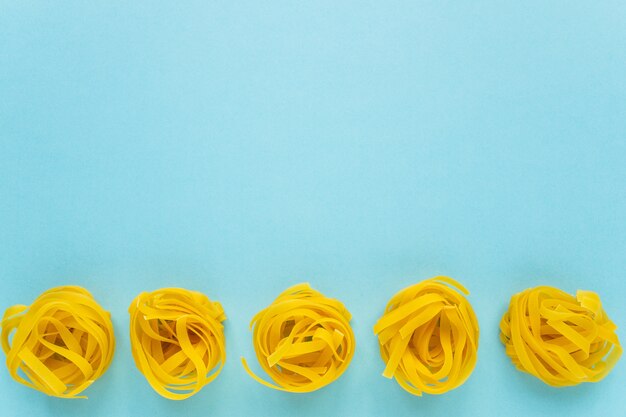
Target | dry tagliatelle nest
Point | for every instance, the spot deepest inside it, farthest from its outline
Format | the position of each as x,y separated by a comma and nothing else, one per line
177,339
63,341
303,340
428,336
561,339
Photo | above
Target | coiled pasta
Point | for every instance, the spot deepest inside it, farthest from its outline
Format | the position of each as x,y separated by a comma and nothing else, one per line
177,340
303,340
63,342
428,336
561,339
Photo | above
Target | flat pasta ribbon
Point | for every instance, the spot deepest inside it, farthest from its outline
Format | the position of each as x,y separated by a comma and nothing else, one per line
561,339
428,336
63,342
177,340
303,340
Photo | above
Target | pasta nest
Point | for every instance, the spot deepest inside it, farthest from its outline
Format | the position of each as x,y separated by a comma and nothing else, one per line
561,339
63,342
428,336
177,340
303,340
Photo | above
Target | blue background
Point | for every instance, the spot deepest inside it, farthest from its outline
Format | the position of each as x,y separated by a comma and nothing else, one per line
237,149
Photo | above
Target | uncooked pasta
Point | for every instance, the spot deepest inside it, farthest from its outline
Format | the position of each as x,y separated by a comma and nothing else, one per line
560,338
428,336
303,340
177,340
63,341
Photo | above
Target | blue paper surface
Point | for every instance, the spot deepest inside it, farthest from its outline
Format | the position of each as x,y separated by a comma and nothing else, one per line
237,148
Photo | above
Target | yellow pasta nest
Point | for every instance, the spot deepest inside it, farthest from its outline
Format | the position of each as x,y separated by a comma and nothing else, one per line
428,337
303,340
561,339
63,342
177,340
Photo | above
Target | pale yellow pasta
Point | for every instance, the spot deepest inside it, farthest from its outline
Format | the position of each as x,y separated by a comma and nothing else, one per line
561,339
62,343
428,337
177,340
303,340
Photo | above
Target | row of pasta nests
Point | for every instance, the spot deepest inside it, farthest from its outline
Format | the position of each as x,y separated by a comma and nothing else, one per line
428,337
